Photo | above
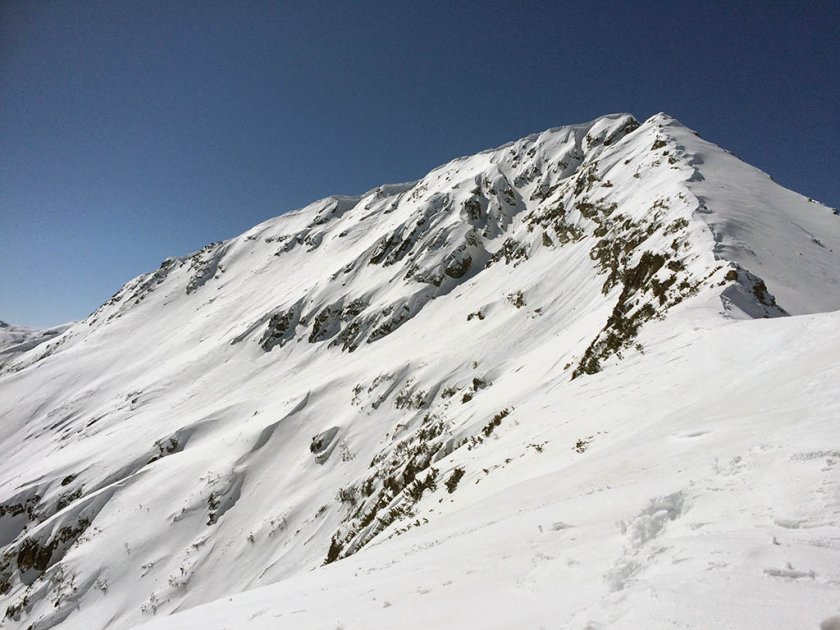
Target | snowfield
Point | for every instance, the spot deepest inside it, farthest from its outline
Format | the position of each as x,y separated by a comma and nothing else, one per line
590,379
706,497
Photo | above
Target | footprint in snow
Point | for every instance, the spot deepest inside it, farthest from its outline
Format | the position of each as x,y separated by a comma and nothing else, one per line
788,523
640,530
791,573
690,435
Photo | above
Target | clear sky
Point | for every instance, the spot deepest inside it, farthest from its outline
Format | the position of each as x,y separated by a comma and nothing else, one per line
132,131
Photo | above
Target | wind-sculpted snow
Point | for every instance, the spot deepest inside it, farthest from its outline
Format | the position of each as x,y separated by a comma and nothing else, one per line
494,364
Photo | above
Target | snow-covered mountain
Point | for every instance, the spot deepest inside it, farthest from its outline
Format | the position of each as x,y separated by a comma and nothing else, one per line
588,379
15,340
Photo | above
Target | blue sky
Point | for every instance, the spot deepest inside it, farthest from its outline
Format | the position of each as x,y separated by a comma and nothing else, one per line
133,131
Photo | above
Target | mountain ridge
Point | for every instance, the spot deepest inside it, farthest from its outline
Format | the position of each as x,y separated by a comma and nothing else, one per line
310,388
325,212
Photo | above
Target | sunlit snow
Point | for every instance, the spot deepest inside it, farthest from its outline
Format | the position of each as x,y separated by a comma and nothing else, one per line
590,379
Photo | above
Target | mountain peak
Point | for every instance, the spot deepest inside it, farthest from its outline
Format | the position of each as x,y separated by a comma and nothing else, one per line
347,374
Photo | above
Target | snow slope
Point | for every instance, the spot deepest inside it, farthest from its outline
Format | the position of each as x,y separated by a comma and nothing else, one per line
766,228
717,506
15,340
309,392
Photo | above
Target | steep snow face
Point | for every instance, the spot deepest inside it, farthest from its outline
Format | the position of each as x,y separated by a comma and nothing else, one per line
325,382
790,241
